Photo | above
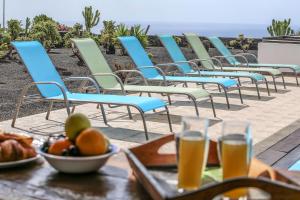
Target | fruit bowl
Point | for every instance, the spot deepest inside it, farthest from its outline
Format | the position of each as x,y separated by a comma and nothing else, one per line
79,164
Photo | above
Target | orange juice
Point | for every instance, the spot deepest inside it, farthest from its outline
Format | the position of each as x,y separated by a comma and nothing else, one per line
191,151
234,163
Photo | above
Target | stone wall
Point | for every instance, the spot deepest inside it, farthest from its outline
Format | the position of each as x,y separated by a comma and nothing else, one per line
154,41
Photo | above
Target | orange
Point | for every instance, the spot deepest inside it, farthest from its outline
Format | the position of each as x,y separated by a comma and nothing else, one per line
91,142
58,146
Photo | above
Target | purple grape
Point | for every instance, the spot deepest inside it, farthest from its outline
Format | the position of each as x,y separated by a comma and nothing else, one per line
65,152
73,150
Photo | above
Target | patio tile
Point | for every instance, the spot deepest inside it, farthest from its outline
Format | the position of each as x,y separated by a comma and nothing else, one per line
267,116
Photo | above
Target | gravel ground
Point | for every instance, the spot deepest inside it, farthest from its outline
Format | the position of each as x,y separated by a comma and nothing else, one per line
14,77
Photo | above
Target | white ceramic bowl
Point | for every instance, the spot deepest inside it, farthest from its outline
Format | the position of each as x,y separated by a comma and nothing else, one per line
77,165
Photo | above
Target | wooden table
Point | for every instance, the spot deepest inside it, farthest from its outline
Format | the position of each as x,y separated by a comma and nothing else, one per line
284,153
115,180
41,181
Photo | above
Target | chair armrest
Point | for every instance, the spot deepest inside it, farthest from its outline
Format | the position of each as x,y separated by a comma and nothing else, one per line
219,62
193,64
206,60
62,89
84,79
131,71
160,71
113,75
168,65
249,54
235,56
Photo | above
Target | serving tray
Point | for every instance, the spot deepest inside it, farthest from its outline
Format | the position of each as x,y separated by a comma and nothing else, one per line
157,172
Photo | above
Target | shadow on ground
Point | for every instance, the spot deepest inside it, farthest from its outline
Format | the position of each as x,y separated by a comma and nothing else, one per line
218,106
51,127
129,135
264,97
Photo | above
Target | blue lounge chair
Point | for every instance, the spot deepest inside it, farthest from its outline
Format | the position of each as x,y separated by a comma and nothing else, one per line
231,59
153,73
52,87
186,66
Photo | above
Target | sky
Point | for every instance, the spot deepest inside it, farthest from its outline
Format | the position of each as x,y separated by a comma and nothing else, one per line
166,11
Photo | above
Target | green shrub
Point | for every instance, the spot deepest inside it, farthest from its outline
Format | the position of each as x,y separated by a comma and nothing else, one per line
280,28
121,30
136,30
75,32
242,43
14,28
42,18
94,37
91,19
178,40
27,26
47,33
107,36
140,34
5,39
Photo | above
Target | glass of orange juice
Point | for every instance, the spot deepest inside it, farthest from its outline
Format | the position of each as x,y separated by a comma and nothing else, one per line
235,151
192,152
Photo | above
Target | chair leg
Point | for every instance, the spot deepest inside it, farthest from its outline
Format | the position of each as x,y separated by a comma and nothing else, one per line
195,104
257,89
144,124
129,112
239,81
267,86
103,113
49,110
296,76
219,88
17,110
240,93
169,100
226,96
169,119
74,107
212,105
67,105
274,82
283,81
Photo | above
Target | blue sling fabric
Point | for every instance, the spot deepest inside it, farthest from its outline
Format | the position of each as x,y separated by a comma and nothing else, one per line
139,55
223,50
177,55
175,52
140,58
295,166
41,69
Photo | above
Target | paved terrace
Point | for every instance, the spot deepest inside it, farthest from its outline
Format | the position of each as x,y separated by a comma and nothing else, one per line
273,117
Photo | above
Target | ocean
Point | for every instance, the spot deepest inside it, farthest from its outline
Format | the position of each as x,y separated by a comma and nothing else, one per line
209,29
203,29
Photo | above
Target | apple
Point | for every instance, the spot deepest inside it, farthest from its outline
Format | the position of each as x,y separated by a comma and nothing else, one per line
76,123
